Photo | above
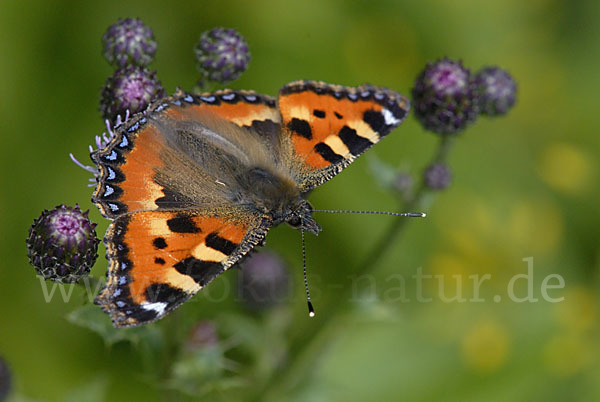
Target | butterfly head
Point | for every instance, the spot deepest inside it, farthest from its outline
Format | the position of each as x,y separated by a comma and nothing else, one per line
277,195
300,217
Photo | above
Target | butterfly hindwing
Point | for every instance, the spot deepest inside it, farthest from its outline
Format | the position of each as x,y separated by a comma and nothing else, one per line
331,125
158,259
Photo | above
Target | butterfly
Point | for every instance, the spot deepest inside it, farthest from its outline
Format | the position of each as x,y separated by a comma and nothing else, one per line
195,182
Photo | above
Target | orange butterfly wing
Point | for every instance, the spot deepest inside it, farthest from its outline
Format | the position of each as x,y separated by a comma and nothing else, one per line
128,164
331,125
163,247
159,259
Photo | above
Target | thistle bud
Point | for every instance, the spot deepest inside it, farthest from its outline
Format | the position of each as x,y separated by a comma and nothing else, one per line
222,55
445,97
497,91
129,89
264,281
62,244
437,176
129,42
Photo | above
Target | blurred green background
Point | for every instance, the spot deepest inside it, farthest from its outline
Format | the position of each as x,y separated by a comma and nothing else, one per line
523,186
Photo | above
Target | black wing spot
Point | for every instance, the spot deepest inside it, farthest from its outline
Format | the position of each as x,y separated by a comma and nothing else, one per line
265,128
355,143
319,113
159,243
376,121
182,223
339,116
300,127
218,243
172,200
163,293
202,272
327,153
159,261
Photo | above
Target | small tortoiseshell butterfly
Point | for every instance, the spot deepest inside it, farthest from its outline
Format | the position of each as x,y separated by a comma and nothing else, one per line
196,181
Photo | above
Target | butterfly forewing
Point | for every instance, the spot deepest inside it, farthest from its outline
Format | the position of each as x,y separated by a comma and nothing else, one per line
331,125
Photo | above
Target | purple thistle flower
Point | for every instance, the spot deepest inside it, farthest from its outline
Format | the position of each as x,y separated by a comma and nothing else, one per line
264,281
437,176
203,335
130,89
445,97
497,91
129,42
62,244
222,55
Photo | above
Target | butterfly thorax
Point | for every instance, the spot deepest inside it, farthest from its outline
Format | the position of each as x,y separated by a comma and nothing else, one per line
277,197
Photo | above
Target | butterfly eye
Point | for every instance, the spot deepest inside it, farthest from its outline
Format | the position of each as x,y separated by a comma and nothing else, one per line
295,221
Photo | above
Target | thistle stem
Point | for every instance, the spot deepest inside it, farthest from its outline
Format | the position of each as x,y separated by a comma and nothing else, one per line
310,348
371,262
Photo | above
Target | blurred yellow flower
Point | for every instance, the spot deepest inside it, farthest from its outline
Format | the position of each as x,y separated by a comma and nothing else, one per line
571,351
565,168
485,346
499,235
535,225
567,354
450,280
579,310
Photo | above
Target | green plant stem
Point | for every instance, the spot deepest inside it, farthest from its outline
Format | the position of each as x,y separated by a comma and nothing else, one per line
204,86
308,351
444,147
172,344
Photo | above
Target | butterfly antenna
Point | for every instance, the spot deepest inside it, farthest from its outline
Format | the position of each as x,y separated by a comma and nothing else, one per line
311,310
409,214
